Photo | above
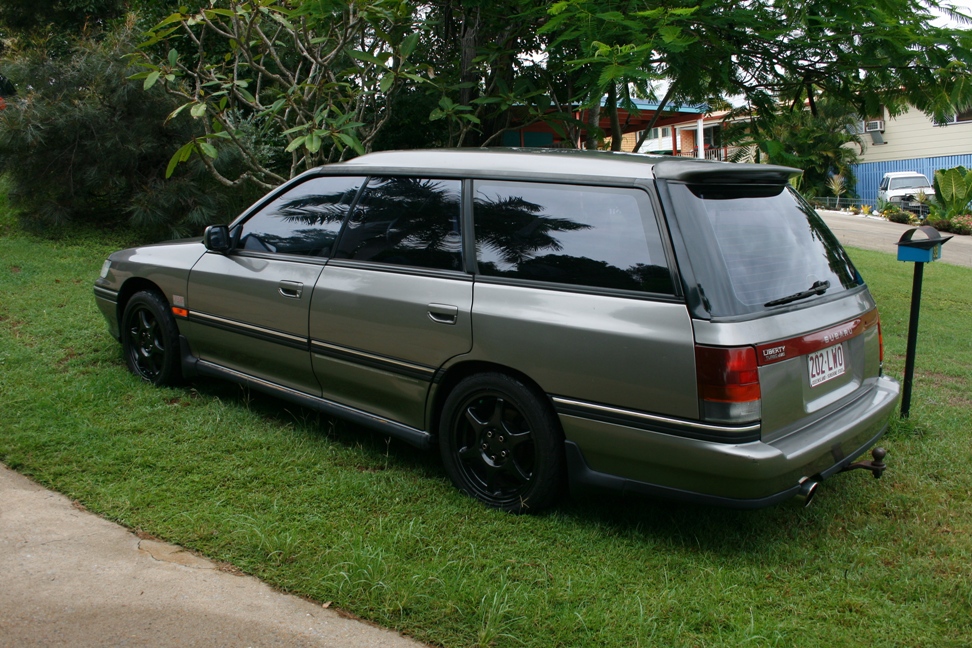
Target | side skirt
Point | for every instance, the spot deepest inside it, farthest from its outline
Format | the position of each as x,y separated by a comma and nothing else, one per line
192,366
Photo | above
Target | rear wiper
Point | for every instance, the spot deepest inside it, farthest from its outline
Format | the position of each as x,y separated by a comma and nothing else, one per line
818,288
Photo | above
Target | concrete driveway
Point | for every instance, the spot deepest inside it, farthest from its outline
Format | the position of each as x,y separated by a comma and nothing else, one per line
873,233
70,578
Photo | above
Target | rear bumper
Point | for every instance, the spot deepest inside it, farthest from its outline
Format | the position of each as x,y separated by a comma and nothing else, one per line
744,475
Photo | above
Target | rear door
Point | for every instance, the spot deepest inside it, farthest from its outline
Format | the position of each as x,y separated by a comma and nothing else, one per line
394,304
575,289
249,309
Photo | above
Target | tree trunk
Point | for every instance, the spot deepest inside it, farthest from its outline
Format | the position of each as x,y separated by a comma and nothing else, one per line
468,43
612,106
654,119
593,121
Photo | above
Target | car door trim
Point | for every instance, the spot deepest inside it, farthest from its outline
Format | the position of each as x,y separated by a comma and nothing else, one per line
383,363
656,422
381,266
250,330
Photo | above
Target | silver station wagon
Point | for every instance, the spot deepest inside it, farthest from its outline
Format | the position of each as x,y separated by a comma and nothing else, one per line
679,328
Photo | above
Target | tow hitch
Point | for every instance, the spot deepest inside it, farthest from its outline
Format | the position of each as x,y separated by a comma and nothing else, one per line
876,465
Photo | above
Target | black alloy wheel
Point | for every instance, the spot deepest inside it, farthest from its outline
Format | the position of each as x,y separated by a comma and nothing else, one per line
501,443
150,339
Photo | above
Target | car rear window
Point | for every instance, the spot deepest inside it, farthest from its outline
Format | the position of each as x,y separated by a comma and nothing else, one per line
755,246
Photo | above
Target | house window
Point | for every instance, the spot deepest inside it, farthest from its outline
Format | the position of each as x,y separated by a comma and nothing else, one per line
958,118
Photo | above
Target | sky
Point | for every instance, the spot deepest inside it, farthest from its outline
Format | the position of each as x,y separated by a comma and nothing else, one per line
965,6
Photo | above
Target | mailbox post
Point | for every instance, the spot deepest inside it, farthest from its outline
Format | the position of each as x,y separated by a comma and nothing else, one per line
921,250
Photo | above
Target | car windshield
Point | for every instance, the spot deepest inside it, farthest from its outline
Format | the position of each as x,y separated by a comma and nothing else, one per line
756,247
912,182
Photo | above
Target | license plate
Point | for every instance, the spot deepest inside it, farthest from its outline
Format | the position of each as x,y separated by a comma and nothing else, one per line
826,364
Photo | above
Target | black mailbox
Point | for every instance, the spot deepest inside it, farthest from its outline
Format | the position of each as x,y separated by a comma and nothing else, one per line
927,247
924,249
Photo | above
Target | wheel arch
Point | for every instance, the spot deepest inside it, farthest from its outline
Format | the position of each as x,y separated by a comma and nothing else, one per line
445,382
130,288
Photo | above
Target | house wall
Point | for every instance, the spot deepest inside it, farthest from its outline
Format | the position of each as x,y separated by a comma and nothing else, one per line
869,174
913,143
913,135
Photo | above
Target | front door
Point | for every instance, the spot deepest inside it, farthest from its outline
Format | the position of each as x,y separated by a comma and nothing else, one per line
249,309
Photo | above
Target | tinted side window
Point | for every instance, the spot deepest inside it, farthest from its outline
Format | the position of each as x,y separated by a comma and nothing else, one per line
406,221
305,220
587,236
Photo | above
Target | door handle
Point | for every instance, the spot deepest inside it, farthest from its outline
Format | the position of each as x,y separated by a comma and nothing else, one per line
443,313
291,289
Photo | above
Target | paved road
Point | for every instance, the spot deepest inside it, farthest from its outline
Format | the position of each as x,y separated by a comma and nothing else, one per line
70,578
872,233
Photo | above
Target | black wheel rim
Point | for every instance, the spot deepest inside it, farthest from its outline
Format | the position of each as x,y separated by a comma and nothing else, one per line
146,345
495,448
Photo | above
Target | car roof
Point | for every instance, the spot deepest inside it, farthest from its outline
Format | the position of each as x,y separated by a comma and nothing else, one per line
527,163
903,174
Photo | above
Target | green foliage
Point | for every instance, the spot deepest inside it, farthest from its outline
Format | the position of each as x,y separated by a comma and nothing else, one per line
26,17
319,75
824,145
953,192
83,144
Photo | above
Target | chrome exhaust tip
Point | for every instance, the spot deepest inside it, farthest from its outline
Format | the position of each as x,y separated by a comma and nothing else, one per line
808,488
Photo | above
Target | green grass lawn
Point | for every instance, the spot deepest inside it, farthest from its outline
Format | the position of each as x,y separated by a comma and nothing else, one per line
335,513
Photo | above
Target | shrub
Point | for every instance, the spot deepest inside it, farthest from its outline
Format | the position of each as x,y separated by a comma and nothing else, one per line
962,224
898,216
81,143
941,224
953,191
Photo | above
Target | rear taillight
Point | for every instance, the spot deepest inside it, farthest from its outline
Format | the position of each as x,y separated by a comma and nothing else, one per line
728,379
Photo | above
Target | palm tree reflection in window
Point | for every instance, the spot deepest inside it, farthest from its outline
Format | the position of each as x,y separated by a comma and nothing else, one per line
406,221
301,222
519,238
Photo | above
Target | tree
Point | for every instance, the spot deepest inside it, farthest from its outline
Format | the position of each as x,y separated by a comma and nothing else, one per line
87,145
63,16
824,145
292,84
320,77
859,53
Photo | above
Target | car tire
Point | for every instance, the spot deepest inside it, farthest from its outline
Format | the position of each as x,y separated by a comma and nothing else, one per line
150,339
501,442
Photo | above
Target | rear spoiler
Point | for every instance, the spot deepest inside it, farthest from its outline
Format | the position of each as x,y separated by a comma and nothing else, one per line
696,171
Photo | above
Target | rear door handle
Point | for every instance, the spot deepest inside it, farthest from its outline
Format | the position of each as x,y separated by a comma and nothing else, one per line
443,313
291,289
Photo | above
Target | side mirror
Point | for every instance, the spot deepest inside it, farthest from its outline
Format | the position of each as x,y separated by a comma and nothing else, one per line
216,238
